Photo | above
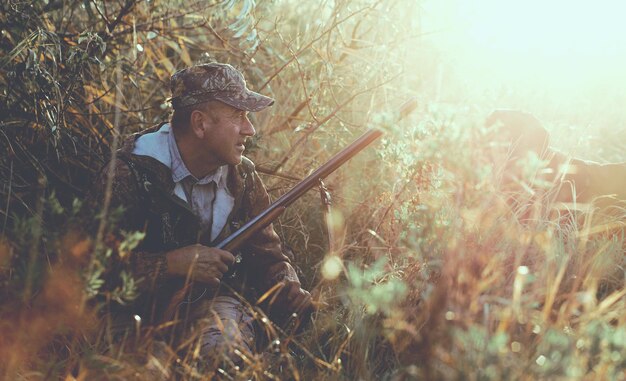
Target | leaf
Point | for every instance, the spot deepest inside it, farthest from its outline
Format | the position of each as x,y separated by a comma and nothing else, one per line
130,242
107,97
127,292
94,282
184,53
243,28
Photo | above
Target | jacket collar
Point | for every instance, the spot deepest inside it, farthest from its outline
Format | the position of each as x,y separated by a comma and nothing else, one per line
161,175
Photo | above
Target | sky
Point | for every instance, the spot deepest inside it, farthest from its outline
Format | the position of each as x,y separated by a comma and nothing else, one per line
551,40
565,61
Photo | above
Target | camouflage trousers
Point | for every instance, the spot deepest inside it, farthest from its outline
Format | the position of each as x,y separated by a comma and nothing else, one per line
224,330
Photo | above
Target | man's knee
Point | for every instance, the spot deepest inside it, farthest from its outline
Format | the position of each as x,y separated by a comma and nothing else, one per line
227,332
225,337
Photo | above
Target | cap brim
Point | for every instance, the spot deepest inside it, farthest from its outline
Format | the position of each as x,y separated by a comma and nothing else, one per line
249,101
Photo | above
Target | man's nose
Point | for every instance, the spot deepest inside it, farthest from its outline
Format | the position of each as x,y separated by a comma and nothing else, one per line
248,129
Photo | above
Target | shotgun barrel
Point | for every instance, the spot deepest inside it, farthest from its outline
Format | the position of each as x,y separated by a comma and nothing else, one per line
236,239
272,212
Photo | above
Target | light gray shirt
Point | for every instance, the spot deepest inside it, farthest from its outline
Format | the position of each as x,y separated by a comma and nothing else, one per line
208,197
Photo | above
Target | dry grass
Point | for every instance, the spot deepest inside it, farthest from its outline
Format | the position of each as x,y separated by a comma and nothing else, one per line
432,274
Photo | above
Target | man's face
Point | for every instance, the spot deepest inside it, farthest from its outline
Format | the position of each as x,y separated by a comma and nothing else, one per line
226,131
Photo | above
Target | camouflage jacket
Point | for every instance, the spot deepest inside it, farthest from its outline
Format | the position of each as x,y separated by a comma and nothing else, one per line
143,187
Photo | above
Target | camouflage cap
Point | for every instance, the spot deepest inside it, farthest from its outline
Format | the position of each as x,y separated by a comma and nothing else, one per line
215,81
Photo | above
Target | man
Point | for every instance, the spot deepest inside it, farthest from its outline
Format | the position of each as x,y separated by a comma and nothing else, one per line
187,185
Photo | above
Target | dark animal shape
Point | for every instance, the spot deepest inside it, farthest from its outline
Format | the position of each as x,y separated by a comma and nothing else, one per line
568,182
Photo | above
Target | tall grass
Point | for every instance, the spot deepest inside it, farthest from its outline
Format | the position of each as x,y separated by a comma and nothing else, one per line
432,272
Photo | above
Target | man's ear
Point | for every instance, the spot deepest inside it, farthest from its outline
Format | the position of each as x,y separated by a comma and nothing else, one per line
196,121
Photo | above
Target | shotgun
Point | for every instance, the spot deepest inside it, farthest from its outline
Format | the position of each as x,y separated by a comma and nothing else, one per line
266,217
236,239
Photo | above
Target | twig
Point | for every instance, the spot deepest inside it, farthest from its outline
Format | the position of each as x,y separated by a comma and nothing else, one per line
290,117
270,172
6,211
307,97
128,6
395,198
112,163
112,112
327,118
307,46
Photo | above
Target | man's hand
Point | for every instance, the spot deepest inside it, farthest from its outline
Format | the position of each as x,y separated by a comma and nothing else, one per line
294,298
204,264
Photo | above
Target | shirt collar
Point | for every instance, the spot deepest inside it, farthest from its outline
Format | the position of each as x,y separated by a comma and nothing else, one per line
180,171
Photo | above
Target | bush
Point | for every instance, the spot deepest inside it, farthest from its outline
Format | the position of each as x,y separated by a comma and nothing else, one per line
431,273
